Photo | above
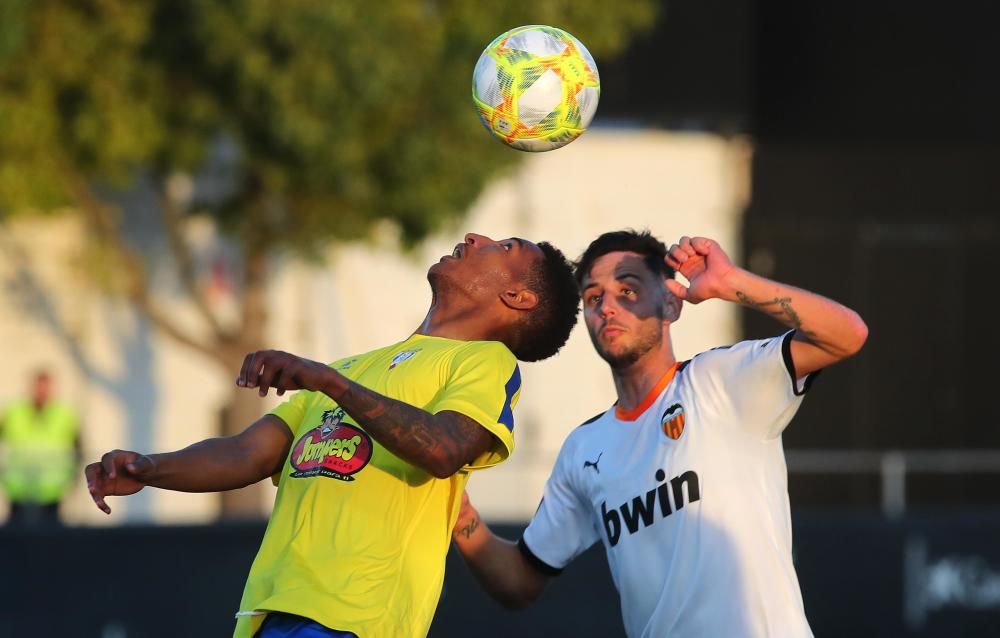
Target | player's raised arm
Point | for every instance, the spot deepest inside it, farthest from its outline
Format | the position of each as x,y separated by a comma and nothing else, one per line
213,465
825,331
500,567
440,444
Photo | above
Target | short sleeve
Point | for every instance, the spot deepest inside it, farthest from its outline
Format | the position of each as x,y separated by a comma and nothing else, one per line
484,384
293,410
563,527
753,384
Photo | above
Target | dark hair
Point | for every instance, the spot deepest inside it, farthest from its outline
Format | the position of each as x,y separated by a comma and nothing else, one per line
642,243
545,329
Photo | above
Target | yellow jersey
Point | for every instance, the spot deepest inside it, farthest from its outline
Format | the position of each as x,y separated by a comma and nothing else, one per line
358,536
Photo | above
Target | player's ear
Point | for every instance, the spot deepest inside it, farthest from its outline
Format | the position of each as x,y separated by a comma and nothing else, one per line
523,299
672,305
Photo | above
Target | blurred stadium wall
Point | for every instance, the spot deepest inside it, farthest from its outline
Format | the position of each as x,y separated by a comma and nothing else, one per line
137,389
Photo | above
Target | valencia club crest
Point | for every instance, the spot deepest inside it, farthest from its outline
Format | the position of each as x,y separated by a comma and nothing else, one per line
672,421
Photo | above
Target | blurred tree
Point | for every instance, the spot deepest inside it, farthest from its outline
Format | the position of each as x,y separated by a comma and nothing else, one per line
343,115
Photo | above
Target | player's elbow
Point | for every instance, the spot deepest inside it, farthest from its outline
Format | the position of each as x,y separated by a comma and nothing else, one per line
857,335
442,467
446,461
515,604
847,339
442,473
517,598
523,587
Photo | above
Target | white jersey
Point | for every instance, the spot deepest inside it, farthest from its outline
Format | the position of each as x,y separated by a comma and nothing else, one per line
688,493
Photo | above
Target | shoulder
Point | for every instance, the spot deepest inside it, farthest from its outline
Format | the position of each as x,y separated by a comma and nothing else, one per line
485,349
576,446
592,419
357,360
741,350
483,354
585,430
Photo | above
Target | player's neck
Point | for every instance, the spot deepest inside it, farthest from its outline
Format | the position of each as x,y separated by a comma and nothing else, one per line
634,382
457,318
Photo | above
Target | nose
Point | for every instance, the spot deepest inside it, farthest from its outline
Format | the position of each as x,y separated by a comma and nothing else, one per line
478,241
607,307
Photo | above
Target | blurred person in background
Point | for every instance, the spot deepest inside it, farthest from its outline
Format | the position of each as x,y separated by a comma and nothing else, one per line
683,480
372,457
40,447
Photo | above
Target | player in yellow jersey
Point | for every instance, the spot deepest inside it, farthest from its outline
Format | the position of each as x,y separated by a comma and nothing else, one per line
372,456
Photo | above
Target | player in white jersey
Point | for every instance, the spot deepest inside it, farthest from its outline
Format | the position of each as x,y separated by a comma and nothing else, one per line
683,480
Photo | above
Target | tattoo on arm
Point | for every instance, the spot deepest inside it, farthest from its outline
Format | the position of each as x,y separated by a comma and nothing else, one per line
780,308
443,440
472,526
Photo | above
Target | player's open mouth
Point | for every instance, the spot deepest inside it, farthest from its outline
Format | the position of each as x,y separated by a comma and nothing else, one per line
455,254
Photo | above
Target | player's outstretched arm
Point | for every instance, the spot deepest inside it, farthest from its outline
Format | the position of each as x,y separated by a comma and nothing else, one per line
825,331
440,444
213,465
498,564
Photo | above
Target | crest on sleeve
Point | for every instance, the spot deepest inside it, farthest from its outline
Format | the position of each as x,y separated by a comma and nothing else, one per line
672,421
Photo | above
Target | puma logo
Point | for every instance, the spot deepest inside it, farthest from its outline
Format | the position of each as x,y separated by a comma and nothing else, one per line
593,464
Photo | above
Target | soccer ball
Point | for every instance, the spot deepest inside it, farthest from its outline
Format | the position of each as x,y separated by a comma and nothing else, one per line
536,88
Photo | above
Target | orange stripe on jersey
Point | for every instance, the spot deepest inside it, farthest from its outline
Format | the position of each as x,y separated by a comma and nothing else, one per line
675,427
636,412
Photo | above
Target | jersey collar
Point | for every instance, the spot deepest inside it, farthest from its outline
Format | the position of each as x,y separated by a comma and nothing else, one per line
636,412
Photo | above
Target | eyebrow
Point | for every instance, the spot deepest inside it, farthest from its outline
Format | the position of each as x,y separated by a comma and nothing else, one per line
520,242
627,275
590,283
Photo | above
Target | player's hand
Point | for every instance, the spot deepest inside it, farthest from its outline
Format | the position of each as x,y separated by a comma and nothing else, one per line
118,473
468,521
267,369
703,263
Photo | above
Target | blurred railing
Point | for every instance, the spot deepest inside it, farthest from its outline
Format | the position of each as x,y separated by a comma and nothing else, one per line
892,466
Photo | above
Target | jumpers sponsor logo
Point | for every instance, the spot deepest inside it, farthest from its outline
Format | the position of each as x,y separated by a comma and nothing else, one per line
333,449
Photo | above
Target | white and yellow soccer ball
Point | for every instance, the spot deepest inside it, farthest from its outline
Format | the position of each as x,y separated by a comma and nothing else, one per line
536,88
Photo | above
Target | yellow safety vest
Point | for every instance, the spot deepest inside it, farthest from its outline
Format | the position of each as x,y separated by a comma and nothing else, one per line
38,461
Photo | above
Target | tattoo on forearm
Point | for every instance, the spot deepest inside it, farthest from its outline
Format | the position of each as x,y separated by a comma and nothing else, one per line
472,526
414,434
780,308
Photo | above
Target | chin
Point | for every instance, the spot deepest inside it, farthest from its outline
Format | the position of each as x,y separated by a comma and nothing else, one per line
434,276
621,354
439,278
622,359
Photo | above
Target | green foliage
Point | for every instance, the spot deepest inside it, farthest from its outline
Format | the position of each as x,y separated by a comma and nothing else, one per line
346,112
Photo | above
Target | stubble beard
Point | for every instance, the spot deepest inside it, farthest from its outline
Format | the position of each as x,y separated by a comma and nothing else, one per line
635,351
441,283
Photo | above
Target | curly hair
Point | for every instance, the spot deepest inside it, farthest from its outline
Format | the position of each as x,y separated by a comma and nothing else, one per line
545,329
